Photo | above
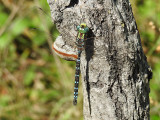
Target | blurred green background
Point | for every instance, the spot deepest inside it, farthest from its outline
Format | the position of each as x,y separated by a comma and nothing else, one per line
34,85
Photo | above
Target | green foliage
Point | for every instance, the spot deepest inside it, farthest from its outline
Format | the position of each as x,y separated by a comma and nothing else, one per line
32,85
29,76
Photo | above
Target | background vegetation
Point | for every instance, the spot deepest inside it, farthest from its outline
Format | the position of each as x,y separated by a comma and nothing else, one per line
34,85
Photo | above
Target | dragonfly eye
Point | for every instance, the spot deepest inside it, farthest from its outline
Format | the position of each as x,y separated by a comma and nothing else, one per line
82,26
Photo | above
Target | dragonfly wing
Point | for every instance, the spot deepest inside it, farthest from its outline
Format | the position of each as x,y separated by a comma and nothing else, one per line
64,51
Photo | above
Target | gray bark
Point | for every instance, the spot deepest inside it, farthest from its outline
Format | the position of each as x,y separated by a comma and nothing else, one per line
114,69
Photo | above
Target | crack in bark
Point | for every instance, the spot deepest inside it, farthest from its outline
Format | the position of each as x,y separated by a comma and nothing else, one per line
72,3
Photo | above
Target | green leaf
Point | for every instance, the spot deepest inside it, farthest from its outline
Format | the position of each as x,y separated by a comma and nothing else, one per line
17,28
4,100
155,117
39,39
154,47
29,76
5,39
19,25
3,18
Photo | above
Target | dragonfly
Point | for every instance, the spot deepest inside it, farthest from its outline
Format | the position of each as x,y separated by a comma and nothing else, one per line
80,43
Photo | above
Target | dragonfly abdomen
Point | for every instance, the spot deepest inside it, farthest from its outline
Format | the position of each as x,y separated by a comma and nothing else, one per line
77,73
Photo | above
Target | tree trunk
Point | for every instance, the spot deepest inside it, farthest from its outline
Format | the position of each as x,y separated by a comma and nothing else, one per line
114,69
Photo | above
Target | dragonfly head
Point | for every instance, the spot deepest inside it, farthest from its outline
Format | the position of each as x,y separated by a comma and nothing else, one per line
82,28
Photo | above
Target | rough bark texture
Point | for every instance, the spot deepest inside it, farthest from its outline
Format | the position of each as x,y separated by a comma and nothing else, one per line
114,68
